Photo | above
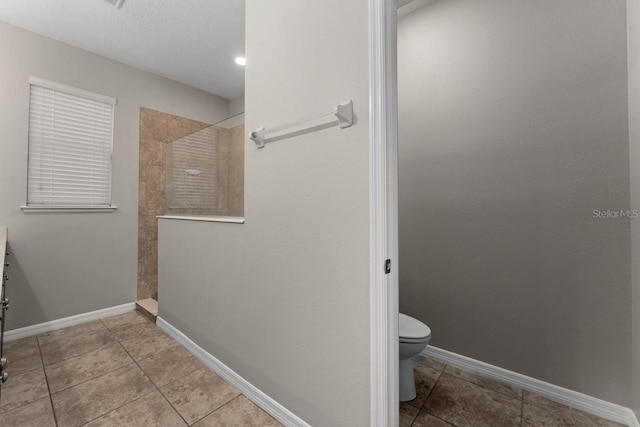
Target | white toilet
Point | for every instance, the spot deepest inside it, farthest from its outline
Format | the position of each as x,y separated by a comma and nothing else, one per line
414,337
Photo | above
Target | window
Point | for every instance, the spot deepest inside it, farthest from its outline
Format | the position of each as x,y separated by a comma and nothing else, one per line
70,143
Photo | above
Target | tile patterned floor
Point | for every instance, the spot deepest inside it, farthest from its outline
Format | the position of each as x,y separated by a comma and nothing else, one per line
447,396
116,372
124,371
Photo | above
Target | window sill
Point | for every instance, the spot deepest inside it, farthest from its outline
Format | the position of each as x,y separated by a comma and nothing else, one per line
228,219
68,209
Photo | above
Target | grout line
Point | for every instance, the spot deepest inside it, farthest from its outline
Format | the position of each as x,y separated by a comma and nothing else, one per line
79,354
144,320
427,398
415,417
139,397
75,334
177,379
168,401
2,412
46,378
132,363
154,384
433,388
480,385
442,371
117,341
225,404
104,324
208,413
172,407
93,378
115,409
28,371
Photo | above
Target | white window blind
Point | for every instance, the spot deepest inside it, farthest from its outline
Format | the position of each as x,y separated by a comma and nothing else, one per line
70,144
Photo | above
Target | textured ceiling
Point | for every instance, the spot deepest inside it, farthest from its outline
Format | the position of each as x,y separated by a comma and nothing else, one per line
190,41
412,6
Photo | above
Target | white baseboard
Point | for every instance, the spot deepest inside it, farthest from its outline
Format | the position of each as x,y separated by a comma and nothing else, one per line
276,410
571,398
65,322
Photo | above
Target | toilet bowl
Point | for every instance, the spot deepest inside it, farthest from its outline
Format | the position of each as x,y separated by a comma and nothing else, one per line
414,337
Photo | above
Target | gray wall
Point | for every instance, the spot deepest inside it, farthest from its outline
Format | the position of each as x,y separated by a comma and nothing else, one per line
284,299
513,129
65,264
236,105
633,18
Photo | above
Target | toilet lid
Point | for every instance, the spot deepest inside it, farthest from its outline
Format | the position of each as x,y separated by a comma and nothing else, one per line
409,327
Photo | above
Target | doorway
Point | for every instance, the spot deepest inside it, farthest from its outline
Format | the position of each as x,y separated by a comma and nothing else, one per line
383,183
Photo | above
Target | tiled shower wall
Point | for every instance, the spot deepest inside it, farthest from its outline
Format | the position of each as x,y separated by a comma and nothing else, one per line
157,129
235,197
205,173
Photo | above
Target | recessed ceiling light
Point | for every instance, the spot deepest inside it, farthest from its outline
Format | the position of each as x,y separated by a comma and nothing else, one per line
241,60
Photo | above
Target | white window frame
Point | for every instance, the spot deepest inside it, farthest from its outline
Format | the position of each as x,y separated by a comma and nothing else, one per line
87,95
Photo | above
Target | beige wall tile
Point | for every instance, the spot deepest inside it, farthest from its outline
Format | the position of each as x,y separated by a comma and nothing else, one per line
224,140
153,125
151,152
236,171
156,129
179,127
141,192
146,289
153,177
151,227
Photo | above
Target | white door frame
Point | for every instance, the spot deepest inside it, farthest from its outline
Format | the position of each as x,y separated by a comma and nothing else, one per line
383,186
